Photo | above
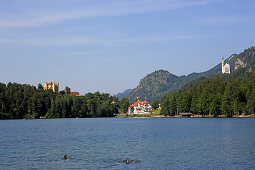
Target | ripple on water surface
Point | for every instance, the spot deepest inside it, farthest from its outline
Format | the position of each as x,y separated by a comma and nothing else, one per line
104,143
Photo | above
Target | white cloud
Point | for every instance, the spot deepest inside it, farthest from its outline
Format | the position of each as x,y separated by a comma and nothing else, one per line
90,41
36,16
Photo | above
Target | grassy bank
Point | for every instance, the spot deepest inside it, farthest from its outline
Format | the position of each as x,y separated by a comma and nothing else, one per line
155,113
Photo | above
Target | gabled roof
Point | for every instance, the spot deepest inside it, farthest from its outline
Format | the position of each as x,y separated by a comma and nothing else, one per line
139,102
74,93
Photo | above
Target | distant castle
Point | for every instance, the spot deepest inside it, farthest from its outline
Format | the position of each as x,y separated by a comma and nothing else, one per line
55,88
225,67
51,86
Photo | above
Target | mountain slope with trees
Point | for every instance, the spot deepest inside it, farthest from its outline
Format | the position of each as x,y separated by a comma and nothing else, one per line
223,94
153,87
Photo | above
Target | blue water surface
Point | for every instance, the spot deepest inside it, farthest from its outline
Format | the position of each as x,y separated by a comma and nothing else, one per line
104,143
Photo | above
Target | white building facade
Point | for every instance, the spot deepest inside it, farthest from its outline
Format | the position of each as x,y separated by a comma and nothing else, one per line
225,67
140,107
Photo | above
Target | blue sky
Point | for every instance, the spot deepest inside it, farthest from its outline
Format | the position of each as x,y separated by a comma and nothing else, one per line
109,45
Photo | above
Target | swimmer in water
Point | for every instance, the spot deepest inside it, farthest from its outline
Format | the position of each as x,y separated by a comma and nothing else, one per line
65,157
127,160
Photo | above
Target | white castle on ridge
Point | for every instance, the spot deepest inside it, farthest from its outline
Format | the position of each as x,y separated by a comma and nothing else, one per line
225,67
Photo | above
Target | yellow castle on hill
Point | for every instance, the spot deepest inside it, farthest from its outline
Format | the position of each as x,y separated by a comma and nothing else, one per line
51,86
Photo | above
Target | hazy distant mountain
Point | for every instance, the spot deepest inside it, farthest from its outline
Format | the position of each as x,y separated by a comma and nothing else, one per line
155,85
124,94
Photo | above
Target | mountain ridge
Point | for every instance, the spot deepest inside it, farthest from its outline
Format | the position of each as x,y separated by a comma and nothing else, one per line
156,84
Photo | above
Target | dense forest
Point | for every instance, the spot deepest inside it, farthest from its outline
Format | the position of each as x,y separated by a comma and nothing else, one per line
25,101
219,95
222,94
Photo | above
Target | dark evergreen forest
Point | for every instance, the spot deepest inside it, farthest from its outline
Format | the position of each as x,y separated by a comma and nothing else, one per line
25,101
223,94
219,95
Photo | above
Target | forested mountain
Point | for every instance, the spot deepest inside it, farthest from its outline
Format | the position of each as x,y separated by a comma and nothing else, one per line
222,94
218,95
153,86
246,58
24,101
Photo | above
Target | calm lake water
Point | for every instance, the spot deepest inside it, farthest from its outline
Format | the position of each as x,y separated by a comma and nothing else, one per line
104,143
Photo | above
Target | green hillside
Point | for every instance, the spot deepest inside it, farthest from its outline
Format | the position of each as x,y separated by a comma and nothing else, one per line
155,85
221,95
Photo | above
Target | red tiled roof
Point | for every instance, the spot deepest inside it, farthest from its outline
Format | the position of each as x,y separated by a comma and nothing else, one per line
140,102
75,93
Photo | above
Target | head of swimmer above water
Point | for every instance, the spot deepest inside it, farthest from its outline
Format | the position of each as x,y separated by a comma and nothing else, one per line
65,157
127,160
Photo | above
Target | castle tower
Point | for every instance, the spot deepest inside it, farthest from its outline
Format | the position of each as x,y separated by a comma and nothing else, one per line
51,86
225,67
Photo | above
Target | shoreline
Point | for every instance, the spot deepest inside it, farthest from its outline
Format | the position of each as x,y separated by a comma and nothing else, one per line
178,116
148,116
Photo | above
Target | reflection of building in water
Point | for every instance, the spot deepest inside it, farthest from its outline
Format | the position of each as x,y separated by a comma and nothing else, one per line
51,86
225,67
140,107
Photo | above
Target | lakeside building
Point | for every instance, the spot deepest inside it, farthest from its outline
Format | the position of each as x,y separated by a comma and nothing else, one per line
140,107
225,67
51,86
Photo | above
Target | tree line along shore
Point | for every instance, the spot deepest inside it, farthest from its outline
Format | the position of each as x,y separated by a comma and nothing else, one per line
22,101
219,96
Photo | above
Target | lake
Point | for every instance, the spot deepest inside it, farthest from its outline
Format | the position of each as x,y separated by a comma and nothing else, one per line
104,143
